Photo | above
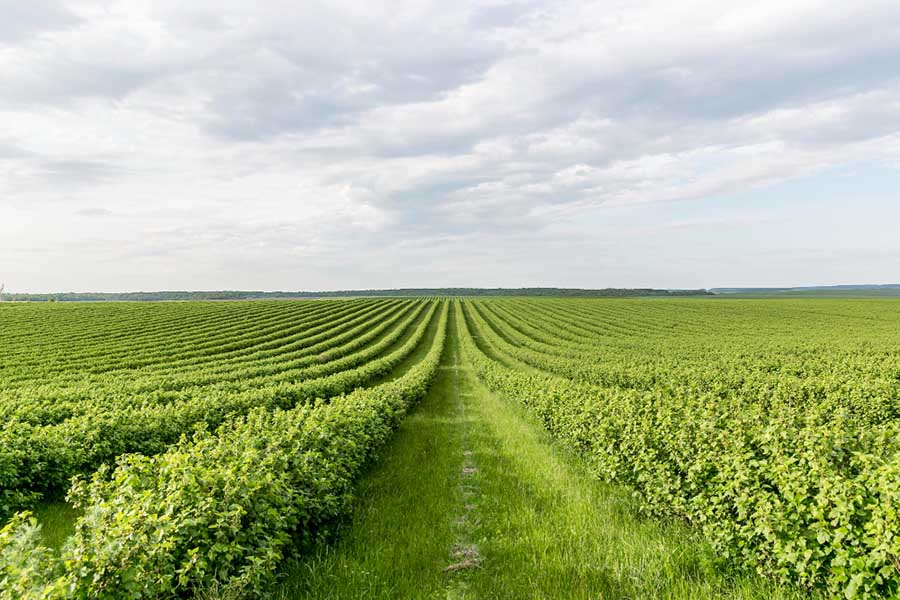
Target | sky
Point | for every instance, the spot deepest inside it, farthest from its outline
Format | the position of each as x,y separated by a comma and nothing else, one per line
304,145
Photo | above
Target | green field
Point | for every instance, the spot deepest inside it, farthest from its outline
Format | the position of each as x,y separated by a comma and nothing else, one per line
451,448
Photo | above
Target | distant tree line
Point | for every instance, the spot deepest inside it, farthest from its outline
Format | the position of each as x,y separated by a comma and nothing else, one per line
238,295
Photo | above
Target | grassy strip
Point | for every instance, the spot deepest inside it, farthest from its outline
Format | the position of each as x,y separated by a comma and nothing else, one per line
57,519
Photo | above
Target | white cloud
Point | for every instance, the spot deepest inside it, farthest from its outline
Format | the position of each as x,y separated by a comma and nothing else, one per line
288,138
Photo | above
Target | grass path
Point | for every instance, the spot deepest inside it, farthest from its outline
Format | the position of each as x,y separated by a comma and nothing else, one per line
472,500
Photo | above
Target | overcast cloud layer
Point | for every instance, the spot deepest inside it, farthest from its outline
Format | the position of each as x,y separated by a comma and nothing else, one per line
165,144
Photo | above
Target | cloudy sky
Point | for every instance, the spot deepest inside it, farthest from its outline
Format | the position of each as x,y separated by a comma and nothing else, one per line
285,144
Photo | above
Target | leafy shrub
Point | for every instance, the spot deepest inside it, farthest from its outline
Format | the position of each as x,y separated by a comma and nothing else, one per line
219,510
808,496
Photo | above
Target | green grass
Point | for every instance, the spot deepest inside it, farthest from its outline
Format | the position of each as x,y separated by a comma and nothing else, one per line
471,483
57,519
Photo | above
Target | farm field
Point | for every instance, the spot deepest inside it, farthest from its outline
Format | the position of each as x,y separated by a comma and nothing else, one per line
447,447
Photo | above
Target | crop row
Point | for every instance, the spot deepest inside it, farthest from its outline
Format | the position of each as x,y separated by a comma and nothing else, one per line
807,495
37,460
220,510
865,384
209,341
72,336
47,403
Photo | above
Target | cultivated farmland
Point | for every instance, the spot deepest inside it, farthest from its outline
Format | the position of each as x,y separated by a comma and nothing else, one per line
490,447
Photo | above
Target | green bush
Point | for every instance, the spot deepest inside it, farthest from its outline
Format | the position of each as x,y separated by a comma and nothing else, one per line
40,459
809,497
219,510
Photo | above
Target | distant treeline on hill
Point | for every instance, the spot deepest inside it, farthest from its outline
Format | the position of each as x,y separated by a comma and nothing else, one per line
886,290
236,295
